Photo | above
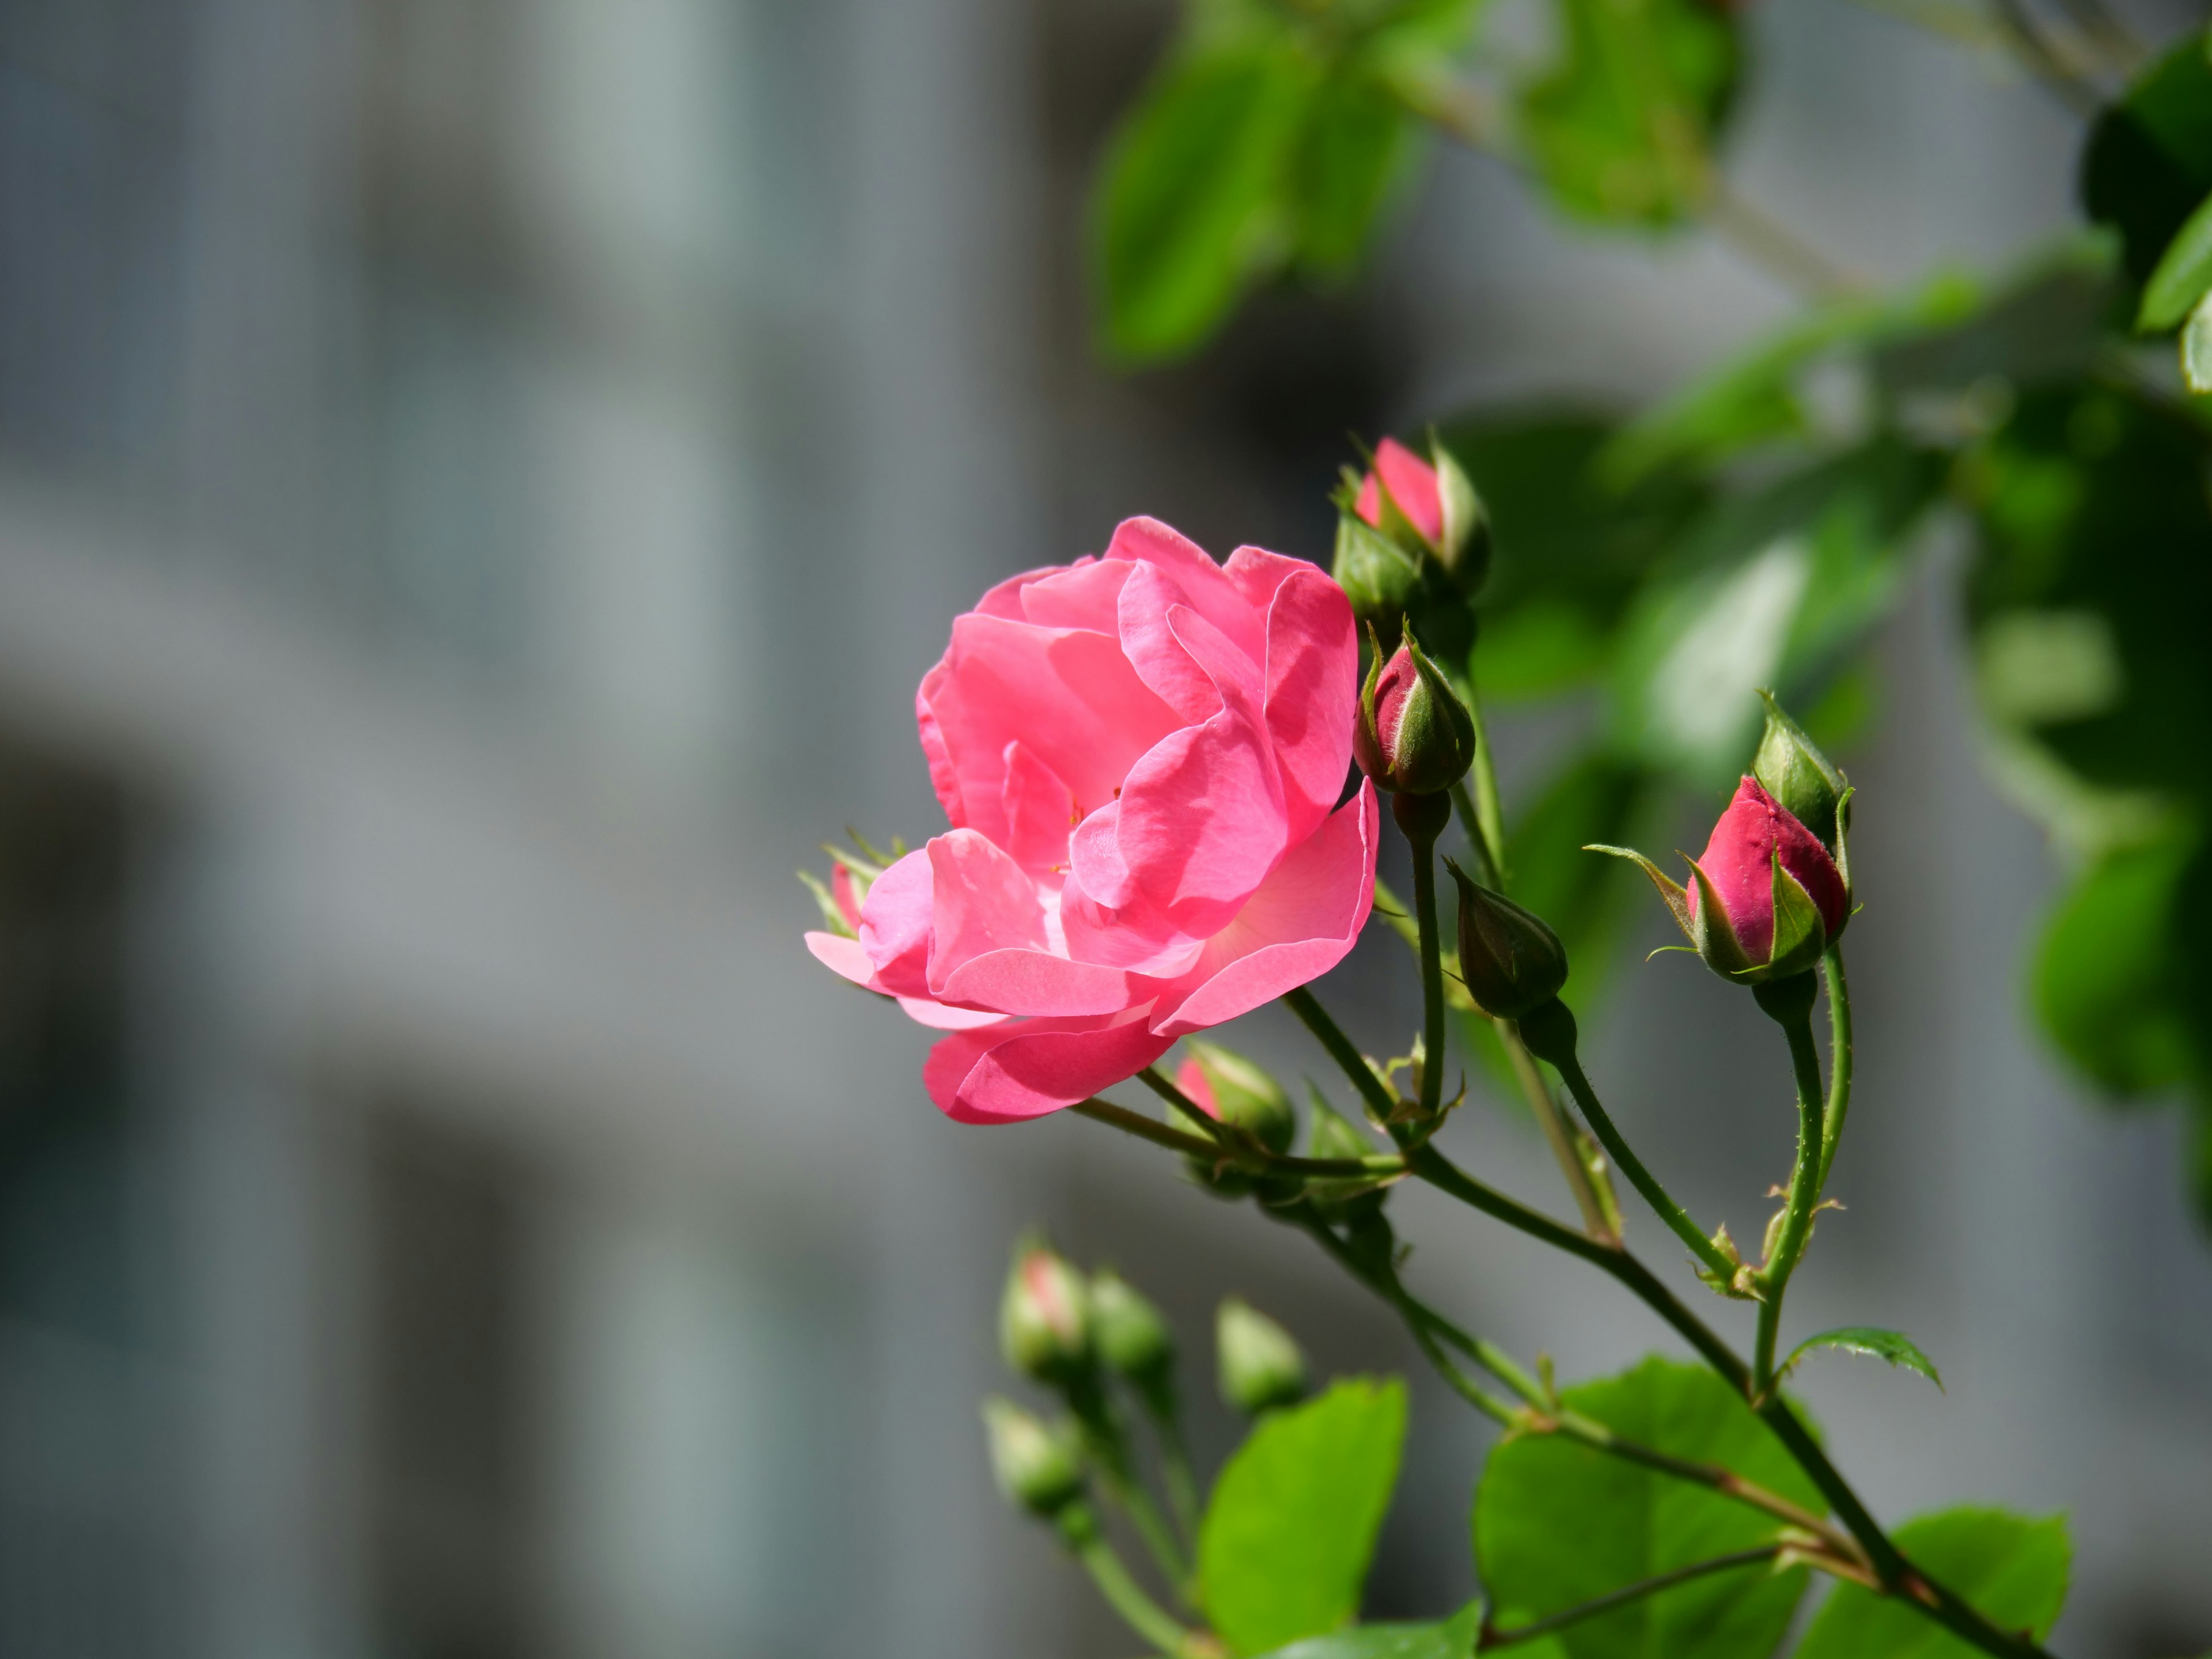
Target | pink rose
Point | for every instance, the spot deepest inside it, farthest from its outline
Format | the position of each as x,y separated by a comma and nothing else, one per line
1141,755
1739,864
1412,485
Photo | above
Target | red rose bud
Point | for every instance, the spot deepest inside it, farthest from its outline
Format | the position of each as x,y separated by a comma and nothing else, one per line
1428,507
1131,1336
1036,1466
1230,1089
1044,1318
1511,963
1260,1366
1765,898
1806,782
1413,735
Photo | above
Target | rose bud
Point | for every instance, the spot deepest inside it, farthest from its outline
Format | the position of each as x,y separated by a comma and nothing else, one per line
1383,580
1428,507
1765,898
1511,963
1131,1337
1044,1318
1339,1200
1805,782
1230,1089
1414,736
1260,1366
1036,1466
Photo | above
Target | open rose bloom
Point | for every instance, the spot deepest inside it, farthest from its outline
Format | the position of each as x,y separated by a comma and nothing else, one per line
1141,755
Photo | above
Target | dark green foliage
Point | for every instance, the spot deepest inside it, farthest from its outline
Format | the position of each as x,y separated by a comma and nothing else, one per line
2148,161
1558,1524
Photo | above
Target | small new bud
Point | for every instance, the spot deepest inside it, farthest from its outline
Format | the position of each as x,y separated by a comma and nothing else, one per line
1036,1466
1413,734
1339,1198
1428,507
1260,1366
1044,1318
1232,1089
1509,961
1803,781
1128,1333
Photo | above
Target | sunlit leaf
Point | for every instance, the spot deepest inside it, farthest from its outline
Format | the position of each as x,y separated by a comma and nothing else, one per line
2104,980
1194,204
1621,129
1558,1524
1283,1549
2184,274
2011,1569
1894,1347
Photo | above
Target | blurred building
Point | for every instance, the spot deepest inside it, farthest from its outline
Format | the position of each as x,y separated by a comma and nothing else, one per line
478,482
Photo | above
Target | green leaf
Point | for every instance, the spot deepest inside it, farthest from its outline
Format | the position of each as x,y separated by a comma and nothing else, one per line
1775,587
2148,160
1360,151
2196,347
2011,1569
2104,979
1452,1639
1558,1524
1895,1346
1283,1548
1620,130
2184,274
1193,203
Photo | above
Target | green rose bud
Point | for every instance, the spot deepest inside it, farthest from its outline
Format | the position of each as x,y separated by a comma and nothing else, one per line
1044,1318
1260,1366
1509,961
1129,1334
1804,781
1413,734
1036,1466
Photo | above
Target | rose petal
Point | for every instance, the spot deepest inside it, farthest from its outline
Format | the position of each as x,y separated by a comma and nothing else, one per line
1024,1070
1201,821
1411,482
1312,698
1207,586
1301,923
980,900
937,1016
1039,810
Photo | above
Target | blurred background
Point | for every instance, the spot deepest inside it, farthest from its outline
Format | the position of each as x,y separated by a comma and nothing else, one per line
479,480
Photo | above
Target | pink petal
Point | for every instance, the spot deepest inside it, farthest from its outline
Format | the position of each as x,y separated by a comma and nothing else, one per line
1313,694
1039,811
1024,1070
1411,482
1302,922
1207,586
1201,821
943,776
844,958
895,925
1069,695
840,888
1369,506
1739,861
979,900
1017,982
1136,936
1084,595
937,1016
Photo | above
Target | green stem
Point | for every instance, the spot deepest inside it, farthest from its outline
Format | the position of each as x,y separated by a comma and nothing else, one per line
1791,1005
1840,1060
1558,1135
1550,1035
1470,821
1079,1527
1199,1119
1493,1639
1107,1440
1175,1474
1432,970
1489,816
1258,1158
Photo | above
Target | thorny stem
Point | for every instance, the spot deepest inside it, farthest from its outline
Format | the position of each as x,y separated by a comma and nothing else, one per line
1569,1067
1107,1440
1896,1576
1491,1637
1414,815
1544,1414
1557,1134
1247,1156
1790,1003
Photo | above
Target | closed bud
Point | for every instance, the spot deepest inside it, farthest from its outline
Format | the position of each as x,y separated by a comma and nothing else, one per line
1509,961
1036,1466
1131,1338
1233,1090
1339,1198
1413,735
1427,508
1260,1366
1044,1324
1804,781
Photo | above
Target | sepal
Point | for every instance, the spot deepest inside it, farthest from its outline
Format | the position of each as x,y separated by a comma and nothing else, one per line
1677,896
